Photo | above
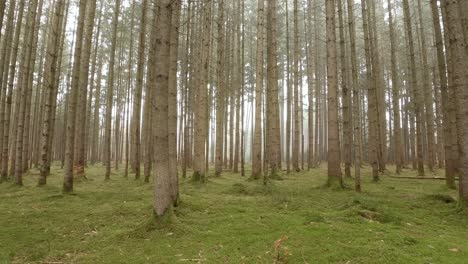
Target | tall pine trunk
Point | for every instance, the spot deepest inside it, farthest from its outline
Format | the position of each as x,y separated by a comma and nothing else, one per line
50,86
334,168
136,120
110,93
356,98
220,100
395,93
72,101
200,132
272,105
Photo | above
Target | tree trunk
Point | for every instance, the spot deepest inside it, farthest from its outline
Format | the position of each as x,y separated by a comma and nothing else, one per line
460,87
22,86
416,96
450,162
372,99
51,70
334,169
4,70
187,94
428,95
72,102
162,194
148,109
220,100
80,154
272,112
356,97
200,135
257,140
318,87
395,93
110,93
346,96
172,101
296,138
136,121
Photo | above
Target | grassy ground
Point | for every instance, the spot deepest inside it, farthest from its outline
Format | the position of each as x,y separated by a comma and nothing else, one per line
233,220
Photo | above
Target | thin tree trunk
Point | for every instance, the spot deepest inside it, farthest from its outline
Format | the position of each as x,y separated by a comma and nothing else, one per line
428,95
356,96
395,93
199,168
220,98
372,99
147,109
22,86
172,101
334,169
72,101
296,137
136,120
272,107
187,104
257,140
346,96
415,90
51,70
449,159
80,154
4,70
110,92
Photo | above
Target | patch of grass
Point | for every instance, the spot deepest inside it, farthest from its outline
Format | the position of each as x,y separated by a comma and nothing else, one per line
231,219
313,218
239,189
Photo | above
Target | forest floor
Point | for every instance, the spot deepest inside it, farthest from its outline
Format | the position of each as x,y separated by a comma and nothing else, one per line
233,220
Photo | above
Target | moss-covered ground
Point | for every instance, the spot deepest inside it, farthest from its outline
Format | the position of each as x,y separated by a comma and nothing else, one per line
233,220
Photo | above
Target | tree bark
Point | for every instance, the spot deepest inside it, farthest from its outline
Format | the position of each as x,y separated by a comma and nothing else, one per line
450,162
395,93
334,169
257,140
416,96
110,92
372,98
200,135
4,70
136,120
72,102
172,101
220,98
22,86
296,138
80,154
162,192
51,70
460,87
272,107
356,97
346,96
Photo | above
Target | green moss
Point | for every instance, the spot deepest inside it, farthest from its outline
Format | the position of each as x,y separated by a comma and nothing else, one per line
232,220
335,183
197,177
